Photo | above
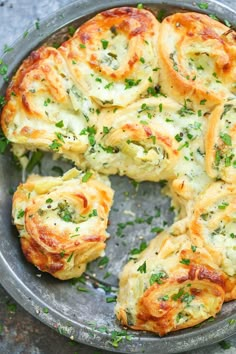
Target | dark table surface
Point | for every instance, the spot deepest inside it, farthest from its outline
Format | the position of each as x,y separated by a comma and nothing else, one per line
21,333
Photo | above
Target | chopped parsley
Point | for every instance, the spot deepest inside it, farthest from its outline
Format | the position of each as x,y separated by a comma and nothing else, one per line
187,298
79,288
45,310
90,131
111,299
140,6
232,321
185,261
178,295
178,137
185,110
7,49
59,136
118,336
225,345
65,212
3,142
103,262
60,124
109,85
223,205
93,213
203,5
161,14
157,278
2,101
87,176
164,298
55,145
142,268
129,83
70,257
46,102
227,23
104,43
106,130
37,25
20,214
141,248
226,139
3,68
71,30
157,229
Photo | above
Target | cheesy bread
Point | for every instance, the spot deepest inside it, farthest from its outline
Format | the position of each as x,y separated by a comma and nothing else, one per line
152,101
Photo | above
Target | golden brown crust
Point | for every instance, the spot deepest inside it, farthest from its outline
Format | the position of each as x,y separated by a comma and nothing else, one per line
180,287
62,222
40,110
104,55
198,56
212,226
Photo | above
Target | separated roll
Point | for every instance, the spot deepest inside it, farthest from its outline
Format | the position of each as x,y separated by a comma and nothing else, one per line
62,221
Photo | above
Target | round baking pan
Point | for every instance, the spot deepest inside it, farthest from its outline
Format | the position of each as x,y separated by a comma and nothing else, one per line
82,309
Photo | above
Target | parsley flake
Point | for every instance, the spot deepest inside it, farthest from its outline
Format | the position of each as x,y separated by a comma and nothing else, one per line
142,268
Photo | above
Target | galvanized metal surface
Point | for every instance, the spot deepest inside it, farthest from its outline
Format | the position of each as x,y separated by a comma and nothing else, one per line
74,313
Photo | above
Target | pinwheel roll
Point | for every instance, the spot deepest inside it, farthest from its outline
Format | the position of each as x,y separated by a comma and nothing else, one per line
62,221
114,55
44,108
198,56
220,142
145,140
172,285
213,224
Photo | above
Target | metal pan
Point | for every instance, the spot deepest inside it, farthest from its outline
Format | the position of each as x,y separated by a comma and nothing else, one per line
77,310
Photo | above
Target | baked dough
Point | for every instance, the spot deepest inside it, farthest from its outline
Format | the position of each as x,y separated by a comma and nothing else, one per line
220,142
45,109
170,286
213,225
127,95
114,55
62,221
140,141
198,56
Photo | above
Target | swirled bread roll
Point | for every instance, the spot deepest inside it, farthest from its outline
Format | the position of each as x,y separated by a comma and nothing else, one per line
198,56
114,55
220,142
171,285
146,140
62,221
45,109
213,224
